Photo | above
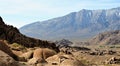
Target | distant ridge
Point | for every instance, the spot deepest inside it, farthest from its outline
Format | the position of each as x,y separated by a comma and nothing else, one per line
106,38
76,25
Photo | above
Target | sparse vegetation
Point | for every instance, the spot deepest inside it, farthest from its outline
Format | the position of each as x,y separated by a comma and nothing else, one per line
85,62
114,46
101,46
16,46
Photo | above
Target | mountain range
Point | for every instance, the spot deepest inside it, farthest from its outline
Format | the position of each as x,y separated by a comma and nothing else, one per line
76,25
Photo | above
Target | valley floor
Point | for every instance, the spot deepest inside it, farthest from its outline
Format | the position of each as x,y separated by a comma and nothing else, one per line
102,55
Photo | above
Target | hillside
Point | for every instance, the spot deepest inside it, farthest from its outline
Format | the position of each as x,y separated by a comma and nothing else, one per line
12,35
76,25
107,38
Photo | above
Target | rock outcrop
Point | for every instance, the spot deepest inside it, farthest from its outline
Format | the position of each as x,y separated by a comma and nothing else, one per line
113,60
70,49
64,42
12,35
63,60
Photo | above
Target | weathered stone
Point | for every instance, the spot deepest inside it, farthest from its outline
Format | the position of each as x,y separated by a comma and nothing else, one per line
43,53
35,61
113,60
27,55
6,60
63,60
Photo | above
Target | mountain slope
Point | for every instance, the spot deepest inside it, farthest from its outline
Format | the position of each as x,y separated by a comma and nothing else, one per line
107,38
76,25
12,35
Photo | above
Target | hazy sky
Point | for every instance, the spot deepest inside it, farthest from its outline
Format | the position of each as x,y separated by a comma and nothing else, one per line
21,12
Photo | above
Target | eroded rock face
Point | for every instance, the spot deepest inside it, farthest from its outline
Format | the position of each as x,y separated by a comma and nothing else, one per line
6,60
12,35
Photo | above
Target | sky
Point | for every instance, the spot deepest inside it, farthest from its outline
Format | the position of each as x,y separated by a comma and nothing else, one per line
21,12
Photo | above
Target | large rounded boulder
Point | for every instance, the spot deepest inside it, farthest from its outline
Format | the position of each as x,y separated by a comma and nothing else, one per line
40,55
43,53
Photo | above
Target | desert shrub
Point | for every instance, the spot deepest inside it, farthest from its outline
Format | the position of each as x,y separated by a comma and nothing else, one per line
112,46
16,46
117,46
102,46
